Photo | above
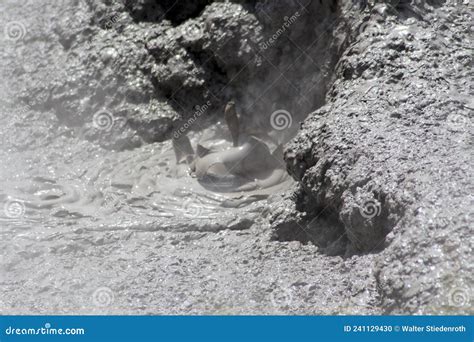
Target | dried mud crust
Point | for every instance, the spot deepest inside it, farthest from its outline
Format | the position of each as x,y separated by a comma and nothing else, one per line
383,166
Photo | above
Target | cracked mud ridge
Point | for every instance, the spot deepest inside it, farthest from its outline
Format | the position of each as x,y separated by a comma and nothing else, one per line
236,157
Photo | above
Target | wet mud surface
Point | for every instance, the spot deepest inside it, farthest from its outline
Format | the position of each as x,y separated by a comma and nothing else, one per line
372,104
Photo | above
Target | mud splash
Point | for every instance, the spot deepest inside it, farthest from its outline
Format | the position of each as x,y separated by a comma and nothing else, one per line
142,183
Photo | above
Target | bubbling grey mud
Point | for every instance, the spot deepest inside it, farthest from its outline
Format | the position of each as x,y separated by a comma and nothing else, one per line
167,180
246,165
98,215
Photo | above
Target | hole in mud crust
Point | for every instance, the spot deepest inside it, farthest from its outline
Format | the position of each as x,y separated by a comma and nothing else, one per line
324,231
359,224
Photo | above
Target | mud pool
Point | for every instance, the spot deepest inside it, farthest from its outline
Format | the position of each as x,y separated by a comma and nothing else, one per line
366,210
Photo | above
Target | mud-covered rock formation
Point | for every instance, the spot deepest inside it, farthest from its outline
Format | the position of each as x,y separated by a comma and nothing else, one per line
154,64
390,153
